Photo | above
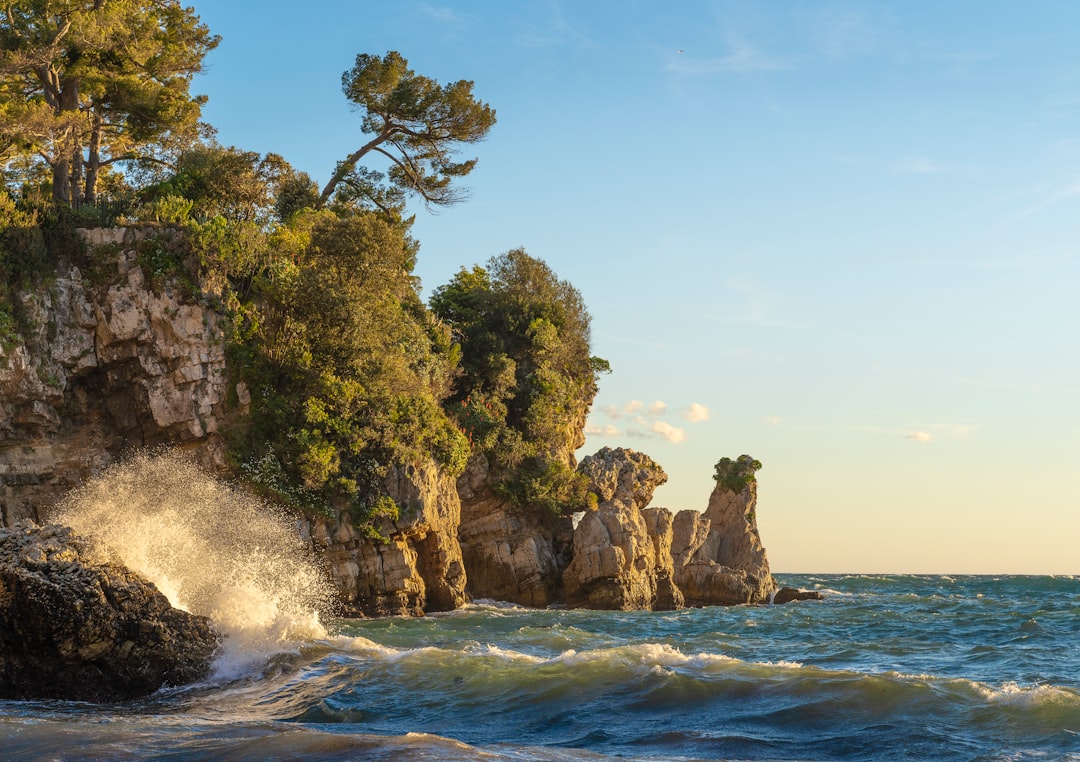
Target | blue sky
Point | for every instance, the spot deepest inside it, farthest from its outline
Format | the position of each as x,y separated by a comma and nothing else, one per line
838,236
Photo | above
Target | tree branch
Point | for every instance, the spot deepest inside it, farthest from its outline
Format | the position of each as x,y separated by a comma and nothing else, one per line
350,163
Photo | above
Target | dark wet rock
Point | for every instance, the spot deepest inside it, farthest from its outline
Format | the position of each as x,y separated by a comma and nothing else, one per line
789,594
75,626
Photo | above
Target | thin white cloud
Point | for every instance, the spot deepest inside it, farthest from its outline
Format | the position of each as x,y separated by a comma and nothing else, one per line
607,430
673,434
772,420
633,406
696,413
950,429
612,411
439,13
921,436
917,165
741,58
1048,200
656,409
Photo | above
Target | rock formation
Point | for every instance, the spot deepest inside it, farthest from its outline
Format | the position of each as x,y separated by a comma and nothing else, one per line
75,627
419,568
622,553
109,364
789,594
717,555
511,553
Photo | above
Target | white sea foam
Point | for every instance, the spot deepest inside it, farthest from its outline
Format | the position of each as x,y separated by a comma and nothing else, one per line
210,548
1013,694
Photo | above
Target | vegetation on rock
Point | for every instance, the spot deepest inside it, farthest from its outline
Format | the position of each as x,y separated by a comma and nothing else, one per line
736,474
526,373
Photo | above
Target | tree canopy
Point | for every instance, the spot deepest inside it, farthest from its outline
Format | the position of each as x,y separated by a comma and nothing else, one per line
415,123
528,378
87,83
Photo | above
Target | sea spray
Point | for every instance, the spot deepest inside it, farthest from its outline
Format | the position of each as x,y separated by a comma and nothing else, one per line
211,548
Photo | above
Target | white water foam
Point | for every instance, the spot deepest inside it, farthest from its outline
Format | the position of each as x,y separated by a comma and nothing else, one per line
210,548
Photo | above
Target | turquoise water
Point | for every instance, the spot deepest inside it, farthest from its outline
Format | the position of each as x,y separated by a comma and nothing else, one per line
886,667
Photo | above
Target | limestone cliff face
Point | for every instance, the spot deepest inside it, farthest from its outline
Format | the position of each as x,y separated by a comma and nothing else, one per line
420,568
104,369
717,555
622,551
510,554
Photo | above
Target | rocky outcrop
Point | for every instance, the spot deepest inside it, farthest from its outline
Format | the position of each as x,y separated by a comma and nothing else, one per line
790,594
717,555
418,567
107,364
75,627
511,554
622,553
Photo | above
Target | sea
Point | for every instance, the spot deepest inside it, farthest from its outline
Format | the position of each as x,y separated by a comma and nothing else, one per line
884,667
892,667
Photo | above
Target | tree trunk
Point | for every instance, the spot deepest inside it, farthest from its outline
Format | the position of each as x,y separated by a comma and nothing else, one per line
61,183
93,160
67,102
76,174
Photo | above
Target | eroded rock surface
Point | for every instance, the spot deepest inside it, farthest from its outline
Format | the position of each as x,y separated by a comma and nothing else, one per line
73,626
622,553
419,568
511,554
718,556
108,364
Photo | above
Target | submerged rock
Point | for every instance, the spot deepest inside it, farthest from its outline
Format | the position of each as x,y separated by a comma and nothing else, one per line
789,594
74,626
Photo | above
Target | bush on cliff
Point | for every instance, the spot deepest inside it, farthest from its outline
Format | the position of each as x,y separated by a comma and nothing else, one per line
736,474
527,376
345,366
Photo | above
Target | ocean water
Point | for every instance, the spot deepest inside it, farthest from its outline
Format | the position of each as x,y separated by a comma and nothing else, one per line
885,668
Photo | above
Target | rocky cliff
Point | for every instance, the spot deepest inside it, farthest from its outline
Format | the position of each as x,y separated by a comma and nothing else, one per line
106,365
512,553
622,551
117,358
418,567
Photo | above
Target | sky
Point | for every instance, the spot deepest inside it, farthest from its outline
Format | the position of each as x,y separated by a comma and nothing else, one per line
840,237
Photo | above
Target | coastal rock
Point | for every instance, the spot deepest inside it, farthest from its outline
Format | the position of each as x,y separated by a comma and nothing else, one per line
419,567
718,556
510,554
109,362
73,626
622,559
790,594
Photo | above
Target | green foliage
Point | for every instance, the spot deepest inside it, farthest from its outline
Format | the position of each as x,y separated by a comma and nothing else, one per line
734,475
164,258
240,186
346,366
548,484
527,374
22,244
10,334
